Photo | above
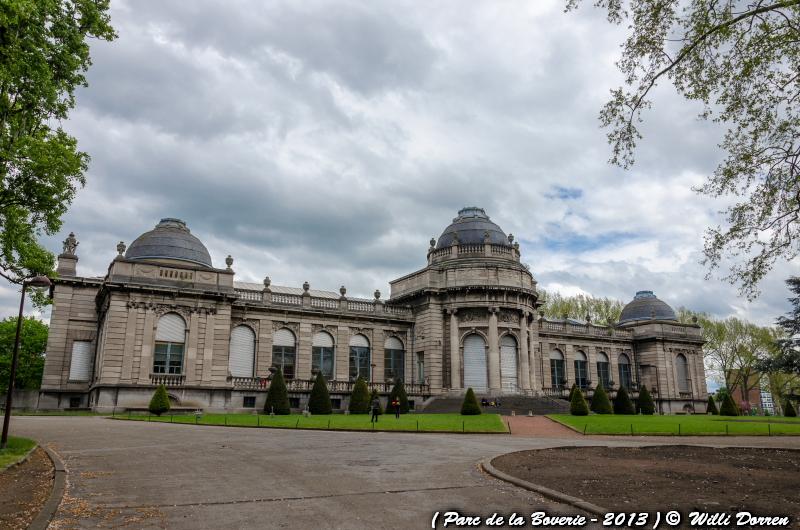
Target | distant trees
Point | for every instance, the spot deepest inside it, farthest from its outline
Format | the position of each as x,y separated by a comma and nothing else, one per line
603,311
32,345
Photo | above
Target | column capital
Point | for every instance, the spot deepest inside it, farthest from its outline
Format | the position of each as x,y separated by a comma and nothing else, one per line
451,310
493,310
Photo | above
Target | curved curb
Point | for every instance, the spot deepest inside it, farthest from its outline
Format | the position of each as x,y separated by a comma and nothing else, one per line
487,466
42,520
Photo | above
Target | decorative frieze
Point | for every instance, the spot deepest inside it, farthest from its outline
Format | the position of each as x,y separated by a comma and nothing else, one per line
160,308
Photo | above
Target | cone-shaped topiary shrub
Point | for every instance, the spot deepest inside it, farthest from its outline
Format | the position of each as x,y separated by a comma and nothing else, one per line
372,396
277,396
600,402
789,410
645,402
319,402
159,404
359,398
470,406
577,405
728,407
622,403
571,392
711,408
399,392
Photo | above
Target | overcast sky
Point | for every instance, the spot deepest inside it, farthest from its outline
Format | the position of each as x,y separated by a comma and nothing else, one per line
329,142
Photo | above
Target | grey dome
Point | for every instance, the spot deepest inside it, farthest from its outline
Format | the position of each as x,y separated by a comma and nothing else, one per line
645,306
470,227
170,239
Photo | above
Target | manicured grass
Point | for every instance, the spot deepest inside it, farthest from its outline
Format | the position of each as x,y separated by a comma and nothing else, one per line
485,423
683,425
17,448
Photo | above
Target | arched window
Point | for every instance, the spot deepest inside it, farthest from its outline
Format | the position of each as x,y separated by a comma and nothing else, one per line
322,354
508,363
359,358
603,376
624,365
170,339
242,354
558,376
475,375
581,370
284,352
394,359
682,367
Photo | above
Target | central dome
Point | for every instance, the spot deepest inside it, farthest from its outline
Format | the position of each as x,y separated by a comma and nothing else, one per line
470,228
170,240
646,306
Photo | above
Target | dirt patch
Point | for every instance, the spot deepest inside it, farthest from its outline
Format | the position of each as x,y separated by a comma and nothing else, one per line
26,487
683,478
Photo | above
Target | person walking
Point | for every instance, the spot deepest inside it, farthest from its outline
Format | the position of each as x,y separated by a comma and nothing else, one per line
376,409
396,405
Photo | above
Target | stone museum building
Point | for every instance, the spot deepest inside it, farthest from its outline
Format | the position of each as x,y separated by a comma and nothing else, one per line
165,314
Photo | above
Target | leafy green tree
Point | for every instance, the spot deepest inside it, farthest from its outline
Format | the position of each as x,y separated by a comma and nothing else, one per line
739,60
399,392
277,396
623,403
577,404
44,54
788,410
32,346
728,407
372,396
470,406
319,402
602,311
359,398
600,401
786,357
711,407
159,403
645,402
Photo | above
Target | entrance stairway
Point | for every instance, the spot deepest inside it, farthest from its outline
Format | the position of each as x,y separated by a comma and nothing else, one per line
518,404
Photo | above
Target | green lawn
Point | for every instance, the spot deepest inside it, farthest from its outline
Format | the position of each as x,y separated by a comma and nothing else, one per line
17,448
485,423
683,425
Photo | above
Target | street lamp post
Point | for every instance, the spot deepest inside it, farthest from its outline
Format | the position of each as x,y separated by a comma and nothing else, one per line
37,281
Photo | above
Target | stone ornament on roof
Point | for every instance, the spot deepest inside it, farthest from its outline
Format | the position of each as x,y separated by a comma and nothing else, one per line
120,249
342,291
70,244
229,262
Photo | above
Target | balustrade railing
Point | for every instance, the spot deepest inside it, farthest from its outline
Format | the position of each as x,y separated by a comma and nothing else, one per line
167,379
303,385
286,299
245,294
324,303
354,305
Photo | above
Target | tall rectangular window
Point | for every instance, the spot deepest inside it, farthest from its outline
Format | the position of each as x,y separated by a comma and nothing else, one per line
80,366
625,375
283,358
322,361
557,373
359,363
168,358
393,363
580,373
420,367
602,374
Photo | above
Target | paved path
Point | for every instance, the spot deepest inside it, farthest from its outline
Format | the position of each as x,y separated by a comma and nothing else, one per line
539,426
154,475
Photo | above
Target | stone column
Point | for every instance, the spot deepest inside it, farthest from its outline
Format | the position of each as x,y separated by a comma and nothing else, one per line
455,351
524,365
494,352
535,361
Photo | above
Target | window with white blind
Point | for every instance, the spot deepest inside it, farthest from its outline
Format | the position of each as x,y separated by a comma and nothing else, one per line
170,338
242,352
80,365
322,354
284,351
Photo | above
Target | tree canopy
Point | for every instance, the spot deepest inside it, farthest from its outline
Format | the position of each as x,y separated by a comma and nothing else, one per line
604,311
741,61
44,54
32,345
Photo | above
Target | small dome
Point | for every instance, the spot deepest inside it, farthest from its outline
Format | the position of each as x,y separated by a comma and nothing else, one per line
170,240
471,227
645,306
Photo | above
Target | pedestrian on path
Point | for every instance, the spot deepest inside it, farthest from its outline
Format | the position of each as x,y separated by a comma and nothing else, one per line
376,410
396,405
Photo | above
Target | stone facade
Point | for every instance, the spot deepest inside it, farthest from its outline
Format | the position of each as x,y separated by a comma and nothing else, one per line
469,318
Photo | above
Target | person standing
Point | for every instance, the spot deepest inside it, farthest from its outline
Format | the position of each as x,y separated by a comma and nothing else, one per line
376,409
396,405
